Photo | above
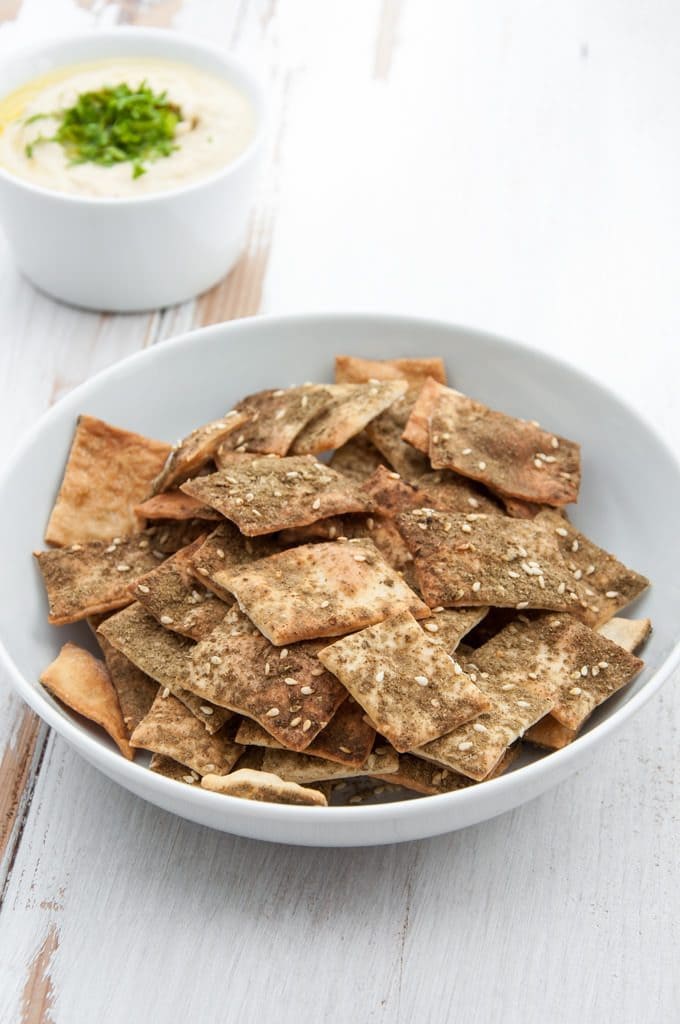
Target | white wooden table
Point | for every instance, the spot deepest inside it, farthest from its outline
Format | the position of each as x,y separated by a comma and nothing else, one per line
509,166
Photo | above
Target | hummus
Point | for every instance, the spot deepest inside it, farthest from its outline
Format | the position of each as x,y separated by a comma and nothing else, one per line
217,124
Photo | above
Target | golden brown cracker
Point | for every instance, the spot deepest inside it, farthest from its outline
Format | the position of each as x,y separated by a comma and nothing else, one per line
170,729
249,784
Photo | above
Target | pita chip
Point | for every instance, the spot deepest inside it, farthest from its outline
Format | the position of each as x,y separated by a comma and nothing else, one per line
274,418
407,685
249,784
226,550
287,691
385,432
175,598
175,505
303,768
417,428
91,578
352,406
108,472
320,590
550,734
83,683
170,729
356,459
604,584
162,655
511,456
162,765
448,626
356,370
136,691
196,450
491,560
430,779
267,495
627,633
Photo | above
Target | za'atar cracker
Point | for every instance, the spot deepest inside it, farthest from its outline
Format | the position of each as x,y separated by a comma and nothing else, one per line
135,689
357,370
265,495
274,418
416,431
303,768
407,685
225,550
249,784
175,505
356,459
352,406
320,590
170,729
83,683
108,472
385,432
195,451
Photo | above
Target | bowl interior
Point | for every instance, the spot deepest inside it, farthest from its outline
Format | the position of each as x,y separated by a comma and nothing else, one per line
631,481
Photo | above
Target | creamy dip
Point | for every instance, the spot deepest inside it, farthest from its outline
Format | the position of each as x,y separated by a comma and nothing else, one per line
217,124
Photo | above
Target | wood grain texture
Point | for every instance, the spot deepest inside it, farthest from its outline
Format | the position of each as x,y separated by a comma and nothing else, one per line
509,167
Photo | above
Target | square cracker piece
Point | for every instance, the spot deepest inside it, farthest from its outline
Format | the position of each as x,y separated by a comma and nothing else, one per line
517,672
274,418
136,690
385,432
196,450
171,769
108,472
352,406
505,563
443,491
604,584
171,729
86,579
303,768
511,456
347,739
175,598
176,506
83,683
266,495
250,784
320,590
430,779
287,691
226,550
356,370
408,686
162,655
447,626
417,427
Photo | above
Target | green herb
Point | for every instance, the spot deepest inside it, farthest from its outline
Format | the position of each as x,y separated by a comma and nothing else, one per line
114,125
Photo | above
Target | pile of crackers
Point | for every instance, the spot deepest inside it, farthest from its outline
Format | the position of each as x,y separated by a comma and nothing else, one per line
374,579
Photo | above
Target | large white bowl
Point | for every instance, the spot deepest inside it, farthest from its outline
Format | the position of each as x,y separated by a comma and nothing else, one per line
136,253
630,494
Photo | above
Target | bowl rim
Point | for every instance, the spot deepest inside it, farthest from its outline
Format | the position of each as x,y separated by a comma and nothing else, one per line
258,99
557,764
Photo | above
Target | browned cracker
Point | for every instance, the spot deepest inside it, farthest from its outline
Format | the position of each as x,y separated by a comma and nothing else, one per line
604,584
627,633
550,734
196,450
408,686
320,590
356,370
432,779
274,418
108,472
351,407
448,626
517,672
93,577
385,433
175,505
380,529
356,459
267,495
172,730
417,428
172,769
136,690
511,456
443,491
304,768
83,683
492,560
519,509
265,786
176,599
225,550
286,690
162,655
347,739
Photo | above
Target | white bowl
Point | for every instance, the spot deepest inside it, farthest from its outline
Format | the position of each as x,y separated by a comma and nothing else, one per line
128,254
631,491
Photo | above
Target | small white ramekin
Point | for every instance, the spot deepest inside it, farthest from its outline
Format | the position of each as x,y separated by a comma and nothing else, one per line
131,254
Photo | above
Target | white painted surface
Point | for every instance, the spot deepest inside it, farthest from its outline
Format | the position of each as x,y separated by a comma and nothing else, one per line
513,167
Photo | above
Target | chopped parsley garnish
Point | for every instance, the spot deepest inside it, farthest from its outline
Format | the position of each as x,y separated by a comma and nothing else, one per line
114,125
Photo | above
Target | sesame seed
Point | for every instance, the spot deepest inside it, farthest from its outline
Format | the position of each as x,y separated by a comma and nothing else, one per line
431,627
275,394
435,438
345,750
476,586
603,664
554,443
273,713
595,670
473,676
122,567
522,604
421,680
306,690
578,574
283,653
561,531
76,547
612,593
317,671
481,465
576,691
513,574
167,619
304,401
295,721
360,558
574,545
465,745
380,675
220,553
457,669
434,702
473,503
466,528
447,527
508,686
142,587
395,476
316,504
561,587
203,572
584,670
532,675
306,725
466,451
439,608
206,709
523,704
189,779
292,474
478,727
165,693
538,464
